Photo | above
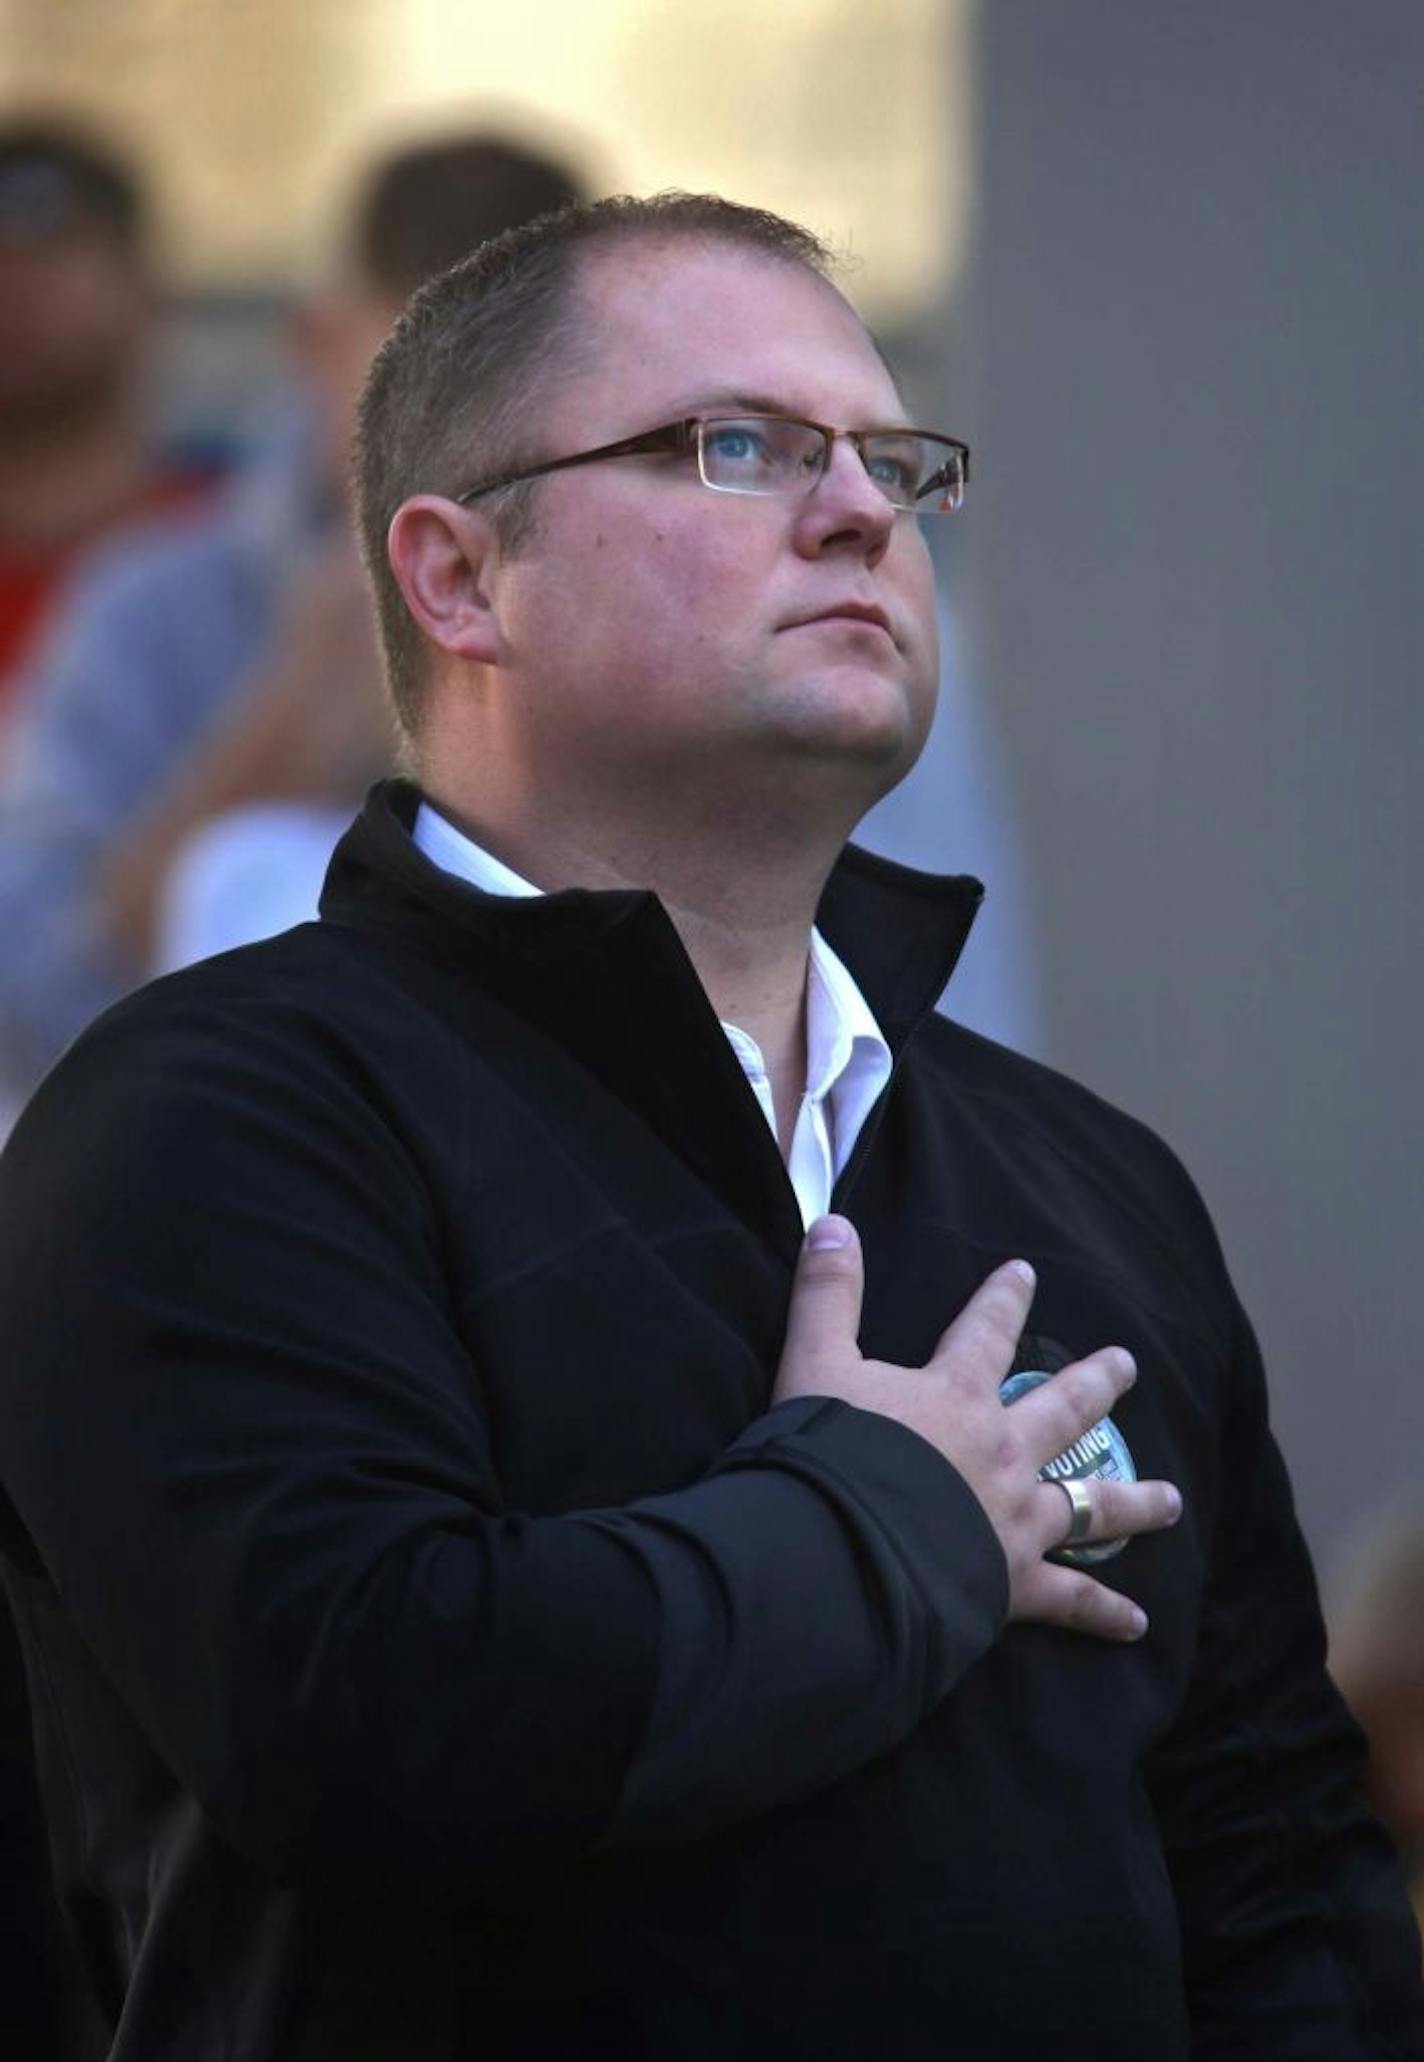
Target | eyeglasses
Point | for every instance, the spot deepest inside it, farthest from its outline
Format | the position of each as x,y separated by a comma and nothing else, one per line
915,470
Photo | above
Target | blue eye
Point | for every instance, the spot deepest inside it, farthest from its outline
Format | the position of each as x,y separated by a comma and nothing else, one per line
736,444
894,474
897,465
760,454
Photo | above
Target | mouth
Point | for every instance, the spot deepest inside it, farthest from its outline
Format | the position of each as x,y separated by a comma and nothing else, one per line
848,612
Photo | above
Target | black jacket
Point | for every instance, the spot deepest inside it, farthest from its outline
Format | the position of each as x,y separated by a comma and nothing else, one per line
440,1650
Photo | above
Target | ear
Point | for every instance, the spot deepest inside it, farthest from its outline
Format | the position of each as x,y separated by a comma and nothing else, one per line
442,556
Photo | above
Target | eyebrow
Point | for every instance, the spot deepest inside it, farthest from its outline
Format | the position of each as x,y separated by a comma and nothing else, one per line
742,403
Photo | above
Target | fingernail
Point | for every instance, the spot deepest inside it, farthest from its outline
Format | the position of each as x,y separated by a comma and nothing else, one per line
1137,1624
1126,1363
826,1233
1174,1505
1024,1272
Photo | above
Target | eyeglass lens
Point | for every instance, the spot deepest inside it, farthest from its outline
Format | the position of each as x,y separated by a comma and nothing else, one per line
766,454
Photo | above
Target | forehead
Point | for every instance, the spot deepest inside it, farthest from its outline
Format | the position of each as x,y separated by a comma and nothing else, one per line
673,328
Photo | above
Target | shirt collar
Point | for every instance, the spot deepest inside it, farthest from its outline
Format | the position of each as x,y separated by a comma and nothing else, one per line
898,930
603,975
840,1024
848,1061
456,853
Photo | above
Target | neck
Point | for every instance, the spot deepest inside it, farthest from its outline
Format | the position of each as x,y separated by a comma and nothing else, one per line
749,941
741,894
60,479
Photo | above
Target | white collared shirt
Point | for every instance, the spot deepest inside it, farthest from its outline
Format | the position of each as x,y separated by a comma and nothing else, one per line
847,1058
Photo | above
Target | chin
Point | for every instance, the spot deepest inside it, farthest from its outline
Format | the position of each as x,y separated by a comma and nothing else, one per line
834,772
873,721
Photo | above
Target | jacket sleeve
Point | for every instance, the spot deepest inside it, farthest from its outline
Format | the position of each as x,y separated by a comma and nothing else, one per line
1296,1938
242,1434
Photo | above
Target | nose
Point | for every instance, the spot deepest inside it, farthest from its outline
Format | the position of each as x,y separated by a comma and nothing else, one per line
845,510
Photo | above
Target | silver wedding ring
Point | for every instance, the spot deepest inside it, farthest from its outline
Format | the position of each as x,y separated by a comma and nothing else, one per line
1081,1521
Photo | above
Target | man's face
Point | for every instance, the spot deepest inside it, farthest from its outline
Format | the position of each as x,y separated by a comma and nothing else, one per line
659,637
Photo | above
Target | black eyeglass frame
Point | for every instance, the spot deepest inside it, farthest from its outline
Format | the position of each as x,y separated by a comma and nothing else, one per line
685,437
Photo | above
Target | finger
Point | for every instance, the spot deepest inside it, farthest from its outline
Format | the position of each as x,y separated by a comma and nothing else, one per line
985,1335
1116,1510
1068,1598
824,1317
1061,1410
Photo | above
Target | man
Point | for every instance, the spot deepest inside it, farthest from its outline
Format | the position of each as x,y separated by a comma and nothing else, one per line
77,317
487,1598
226,663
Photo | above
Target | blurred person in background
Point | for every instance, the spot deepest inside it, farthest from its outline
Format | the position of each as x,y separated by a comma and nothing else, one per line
1377,1657
227,663
78,314
198,669
79,308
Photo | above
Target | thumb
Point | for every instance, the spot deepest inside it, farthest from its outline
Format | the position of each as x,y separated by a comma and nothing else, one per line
824,1317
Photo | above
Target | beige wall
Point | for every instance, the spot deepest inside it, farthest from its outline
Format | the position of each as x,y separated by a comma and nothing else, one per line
250,113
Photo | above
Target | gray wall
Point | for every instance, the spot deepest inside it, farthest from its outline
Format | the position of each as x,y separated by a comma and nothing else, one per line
1191,372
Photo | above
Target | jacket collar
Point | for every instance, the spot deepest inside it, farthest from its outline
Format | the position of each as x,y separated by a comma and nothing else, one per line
605,974
900,931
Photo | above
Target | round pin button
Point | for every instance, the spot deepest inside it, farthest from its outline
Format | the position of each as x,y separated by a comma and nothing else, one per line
1101,1454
